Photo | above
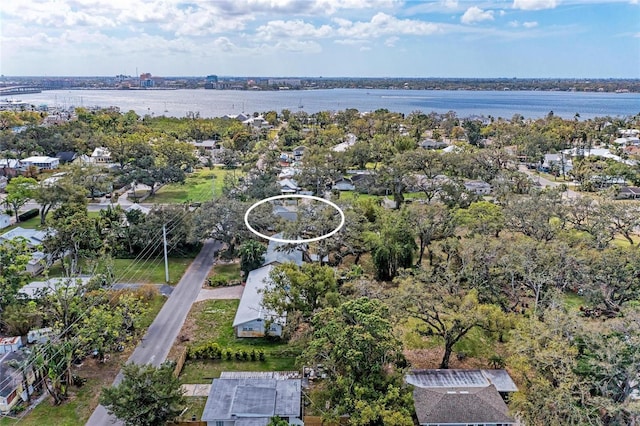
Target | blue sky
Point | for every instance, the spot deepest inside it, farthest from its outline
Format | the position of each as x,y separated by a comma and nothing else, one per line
331,38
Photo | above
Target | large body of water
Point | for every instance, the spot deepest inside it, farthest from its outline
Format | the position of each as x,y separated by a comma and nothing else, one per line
216,103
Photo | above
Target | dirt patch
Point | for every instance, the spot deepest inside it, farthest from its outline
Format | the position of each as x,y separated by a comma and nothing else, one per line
431,358
187,332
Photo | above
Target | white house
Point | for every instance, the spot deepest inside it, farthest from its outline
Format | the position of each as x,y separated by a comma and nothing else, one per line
5,220
252,319
101,155
478,187
42,162
34,238
10,344
288,186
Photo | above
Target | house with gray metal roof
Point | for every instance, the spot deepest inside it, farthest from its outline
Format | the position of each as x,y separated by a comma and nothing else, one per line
33,237
252,401
252,319
281,252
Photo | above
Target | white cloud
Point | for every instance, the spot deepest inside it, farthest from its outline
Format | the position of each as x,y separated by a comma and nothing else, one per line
502,13
382,24
291,29
450,4
475,14
391,41
530,24
514,24
534,4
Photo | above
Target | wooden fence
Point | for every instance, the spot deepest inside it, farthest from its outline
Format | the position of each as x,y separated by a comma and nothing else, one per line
180,362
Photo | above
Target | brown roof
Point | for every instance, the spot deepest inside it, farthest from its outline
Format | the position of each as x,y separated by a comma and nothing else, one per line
460,405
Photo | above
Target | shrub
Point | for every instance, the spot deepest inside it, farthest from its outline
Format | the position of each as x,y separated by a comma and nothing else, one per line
28,214
217,281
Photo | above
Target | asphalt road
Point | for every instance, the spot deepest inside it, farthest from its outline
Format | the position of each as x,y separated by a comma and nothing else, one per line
569,193
155,345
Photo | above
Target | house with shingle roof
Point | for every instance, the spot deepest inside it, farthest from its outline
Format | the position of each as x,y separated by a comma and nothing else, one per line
461,397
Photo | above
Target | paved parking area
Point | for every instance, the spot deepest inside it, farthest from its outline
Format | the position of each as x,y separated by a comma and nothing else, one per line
233,292
196,390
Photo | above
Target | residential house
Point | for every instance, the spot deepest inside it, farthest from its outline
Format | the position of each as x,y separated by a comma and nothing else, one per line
142,209
37,289
298,153
10,344
238,117
432,144
252,399
344,184
101,155
258,122
35,265
348,143
556,163
33,237
289,186
629,193
288,172
5,220
10,167
66,156
12,381
285,213
42,162
282,253
206,145
252,319
478,187
461,397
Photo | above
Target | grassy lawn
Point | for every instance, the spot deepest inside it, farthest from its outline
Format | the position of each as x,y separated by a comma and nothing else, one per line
82,401
146,272
152,271
200,186
229,271
195,407
211,321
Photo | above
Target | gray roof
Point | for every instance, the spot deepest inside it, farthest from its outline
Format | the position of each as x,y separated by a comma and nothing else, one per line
252,401
250,307
32,236
460,406
458,378
282,253
10,377
35,288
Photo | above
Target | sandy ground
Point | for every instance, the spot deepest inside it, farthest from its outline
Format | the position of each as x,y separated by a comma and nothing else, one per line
233,292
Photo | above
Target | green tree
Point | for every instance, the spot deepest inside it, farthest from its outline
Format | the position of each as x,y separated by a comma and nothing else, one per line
300,289
482,217
251,256
449,312
362,357
20,190
393,246
50,196
147,395
14,256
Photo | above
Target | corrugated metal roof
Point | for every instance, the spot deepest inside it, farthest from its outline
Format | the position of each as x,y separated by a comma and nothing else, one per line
250,307
248,399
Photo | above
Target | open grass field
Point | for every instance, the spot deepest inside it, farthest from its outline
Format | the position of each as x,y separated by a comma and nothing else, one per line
211,321
152,271
200,186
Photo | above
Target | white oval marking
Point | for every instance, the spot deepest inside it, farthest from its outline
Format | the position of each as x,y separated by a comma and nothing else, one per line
305,240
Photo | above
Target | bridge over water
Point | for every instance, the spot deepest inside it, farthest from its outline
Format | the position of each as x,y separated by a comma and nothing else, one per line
17,90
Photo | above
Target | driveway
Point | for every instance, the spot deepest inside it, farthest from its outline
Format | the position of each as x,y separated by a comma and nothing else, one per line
233,292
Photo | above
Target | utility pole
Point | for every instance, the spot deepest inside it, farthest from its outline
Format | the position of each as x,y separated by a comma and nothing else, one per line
166,261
